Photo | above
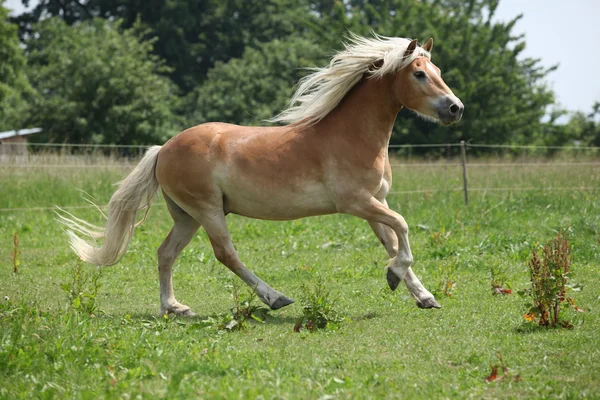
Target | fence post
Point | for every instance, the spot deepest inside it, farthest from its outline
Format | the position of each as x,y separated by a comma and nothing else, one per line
463,156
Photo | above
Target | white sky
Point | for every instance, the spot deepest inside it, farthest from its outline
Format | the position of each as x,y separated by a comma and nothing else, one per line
557,32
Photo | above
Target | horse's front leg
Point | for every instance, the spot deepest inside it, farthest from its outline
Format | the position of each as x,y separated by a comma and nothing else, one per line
388,238
392,230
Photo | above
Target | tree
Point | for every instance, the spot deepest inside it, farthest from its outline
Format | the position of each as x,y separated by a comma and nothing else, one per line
585,128
96,84
14,87
191,35
255,87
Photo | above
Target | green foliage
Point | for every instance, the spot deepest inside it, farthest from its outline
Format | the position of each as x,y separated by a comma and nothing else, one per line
244,309
585,129
549,276
14,86
191,36
253,88
95,84
499,281
82,289
318,308
446,278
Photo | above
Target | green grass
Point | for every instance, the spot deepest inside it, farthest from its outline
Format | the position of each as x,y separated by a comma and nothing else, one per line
385,347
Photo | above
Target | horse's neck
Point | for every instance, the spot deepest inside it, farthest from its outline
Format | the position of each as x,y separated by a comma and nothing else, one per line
366,115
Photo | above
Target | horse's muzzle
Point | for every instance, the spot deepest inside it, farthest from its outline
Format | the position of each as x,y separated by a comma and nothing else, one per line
450,110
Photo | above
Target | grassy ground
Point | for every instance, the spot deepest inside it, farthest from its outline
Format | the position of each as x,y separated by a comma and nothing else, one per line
385,347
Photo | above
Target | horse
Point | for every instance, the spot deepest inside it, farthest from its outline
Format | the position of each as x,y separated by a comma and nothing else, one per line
330,155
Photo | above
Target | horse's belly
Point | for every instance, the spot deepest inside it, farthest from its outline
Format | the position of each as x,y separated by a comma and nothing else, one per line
278,203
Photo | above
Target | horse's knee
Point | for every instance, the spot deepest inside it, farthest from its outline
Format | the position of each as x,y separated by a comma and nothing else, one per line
401,227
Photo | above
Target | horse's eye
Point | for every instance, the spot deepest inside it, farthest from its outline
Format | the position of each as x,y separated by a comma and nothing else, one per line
420,75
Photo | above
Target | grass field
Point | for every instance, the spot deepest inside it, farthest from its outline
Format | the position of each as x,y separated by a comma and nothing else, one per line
385,348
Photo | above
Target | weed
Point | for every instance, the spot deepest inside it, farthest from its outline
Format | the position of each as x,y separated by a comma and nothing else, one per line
446,278
549,276
15,253
499,281
82,290
243,310
506,374
318,310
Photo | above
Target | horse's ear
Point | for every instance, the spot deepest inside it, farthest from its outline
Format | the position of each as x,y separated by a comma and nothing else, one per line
429,45
411,47
376,65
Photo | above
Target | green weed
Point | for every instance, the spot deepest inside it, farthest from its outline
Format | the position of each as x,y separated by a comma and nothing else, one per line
499,281
244,310
318,308
445,277
82,289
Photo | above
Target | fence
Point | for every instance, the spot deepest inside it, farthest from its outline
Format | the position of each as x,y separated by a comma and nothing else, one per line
81,162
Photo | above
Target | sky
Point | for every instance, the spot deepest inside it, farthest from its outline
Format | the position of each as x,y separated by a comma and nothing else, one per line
566,33
557,32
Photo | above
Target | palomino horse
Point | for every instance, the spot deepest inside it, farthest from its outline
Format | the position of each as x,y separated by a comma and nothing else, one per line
332,157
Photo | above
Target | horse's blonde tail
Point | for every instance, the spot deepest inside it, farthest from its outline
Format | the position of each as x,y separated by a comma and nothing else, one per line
135,193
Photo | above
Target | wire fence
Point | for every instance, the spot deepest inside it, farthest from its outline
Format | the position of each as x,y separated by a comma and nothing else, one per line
49,162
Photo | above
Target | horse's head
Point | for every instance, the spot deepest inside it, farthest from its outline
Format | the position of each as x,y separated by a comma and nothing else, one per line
420,87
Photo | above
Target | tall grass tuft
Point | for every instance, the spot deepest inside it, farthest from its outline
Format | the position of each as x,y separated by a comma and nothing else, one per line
14,255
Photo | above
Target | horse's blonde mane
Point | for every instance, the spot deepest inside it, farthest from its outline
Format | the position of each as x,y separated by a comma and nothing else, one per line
320,92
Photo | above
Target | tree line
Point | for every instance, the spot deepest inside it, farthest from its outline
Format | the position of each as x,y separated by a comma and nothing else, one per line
139,71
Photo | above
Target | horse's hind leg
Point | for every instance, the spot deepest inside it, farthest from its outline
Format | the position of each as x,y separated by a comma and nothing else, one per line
183,231
215,225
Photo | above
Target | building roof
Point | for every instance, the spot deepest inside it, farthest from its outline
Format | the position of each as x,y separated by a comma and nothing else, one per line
19,132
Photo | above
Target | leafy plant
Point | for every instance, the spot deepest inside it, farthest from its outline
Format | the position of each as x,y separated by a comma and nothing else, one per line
82,290
499,281
506,374
318,309
244,309
549,276
446,278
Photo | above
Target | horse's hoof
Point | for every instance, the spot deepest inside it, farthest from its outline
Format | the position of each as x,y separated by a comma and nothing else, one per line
281,301
187,313
180,309
392,279
429,303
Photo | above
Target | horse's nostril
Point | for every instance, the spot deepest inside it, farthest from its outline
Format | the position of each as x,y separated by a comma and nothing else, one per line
454,109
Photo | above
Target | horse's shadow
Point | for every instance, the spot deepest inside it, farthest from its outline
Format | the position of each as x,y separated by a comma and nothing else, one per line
149,317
